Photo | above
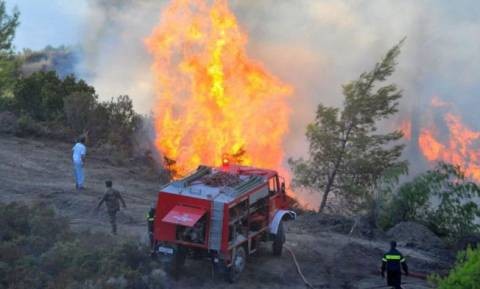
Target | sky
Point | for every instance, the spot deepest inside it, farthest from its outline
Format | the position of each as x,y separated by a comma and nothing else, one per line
49,22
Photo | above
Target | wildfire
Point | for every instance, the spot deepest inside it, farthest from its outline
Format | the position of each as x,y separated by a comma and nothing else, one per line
212,99
461,147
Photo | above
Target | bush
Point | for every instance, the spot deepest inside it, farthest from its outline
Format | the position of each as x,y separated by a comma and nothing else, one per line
44,99
27,126
442,198
38,250
123,121
465,274
41,95
7,103
78,108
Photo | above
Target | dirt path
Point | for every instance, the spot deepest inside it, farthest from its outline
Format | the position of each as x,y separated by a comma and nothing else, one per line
40,170
34,170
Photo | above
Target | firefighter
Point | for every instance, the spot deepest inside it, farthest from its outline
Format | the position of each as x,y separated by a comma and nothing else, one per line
393,261
150,221
112,199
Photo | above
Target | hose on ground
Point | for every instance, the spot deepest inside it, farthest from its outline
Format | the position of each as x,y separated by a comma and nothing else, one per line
299,270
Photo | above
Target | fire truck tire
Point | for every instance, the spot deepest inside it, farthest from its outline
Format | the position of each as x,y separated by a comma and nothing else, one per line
238,265
178,262
278,241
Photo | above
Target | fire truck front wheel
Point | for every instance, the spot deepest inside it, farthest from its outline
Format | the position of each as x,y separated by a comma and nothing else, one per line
238,265
278,241
176,264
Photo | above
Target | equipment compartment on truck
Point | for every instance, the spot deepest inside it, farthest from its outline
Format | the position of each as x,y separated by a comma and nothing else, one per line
222,214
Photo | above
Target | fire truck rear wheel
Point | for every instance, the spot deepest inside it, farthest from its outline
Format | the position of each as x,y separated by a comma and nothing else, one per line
238,265
278,241
178,262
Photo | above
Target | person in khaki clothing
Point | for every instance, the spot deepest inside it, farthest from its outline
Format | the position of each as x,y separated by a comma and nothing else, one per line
112,199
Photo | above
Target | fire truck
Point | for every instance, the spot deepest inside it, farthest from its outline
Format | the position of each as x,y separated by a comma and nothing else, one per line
222,214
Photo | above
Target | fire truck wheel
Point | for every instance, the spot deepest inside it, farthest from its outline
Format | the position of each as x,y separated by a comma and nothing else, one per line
178,262
238,264
278,240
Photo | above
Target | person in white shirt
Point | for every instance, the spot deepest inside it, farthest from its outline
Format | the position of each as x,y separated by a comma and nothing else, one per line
79,152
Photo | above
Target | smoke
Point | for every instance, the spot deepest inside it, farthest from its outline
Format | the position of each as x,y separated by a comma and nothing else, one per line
62,59
316,46
114,57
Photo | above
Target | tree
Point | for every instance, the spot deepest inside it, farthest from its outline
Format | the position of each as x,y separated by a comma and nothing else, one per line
8,63
78,108
442,198
347,155
465,274
42,95
8,25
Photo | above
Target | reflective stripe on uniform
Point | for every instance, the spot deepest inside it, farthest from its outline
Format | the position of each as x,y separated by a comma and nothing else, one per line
150,219
402,260
384,260
393,257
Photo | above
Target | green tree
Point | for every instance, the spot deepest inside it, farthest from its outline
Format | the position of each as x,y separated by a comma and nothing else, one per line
465,274
347,155
441,198
8,63
123,120
42,94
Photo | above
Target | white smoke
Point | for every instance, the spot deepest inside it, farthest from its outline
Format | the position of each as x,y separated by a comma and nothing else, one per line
315,45
114,57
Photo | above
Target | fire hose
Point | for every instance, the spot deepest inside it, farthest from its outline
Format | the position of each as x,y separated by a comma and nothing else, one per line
299,270
309,285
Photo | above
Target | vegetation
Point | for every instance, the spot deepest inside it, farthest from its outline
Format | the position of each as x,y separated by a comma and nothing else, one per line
41,95
8,63
464,275
38,250
62,107
347,154
442,198
71,106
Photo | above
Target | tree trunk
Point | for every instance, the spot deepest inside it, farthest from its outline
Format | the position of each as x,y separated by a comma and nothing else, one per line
331,177
328,188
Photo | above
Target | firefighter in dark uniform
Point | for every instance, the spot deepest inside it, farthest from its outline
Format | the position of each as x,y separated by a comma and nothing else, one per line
393,262
150,222
112,199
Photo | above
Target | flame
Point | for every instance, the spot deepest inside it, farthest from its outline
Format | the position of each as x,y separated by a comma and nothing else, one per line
212,99
461,148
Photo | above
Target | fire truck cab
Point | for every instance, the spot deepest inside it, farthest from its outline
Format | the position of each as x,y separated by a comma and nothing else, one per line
220,213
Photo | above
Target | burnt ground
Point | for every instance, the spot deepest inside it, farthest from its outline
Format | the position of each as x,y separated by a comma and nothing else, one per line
34,170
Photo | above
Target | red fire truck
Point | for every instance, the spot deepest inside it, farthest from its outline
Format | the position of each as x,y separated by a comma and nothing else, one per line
221,214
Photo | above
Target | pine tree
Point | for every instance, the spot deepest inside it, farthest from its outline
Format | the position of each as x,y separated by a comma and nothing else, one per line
346,153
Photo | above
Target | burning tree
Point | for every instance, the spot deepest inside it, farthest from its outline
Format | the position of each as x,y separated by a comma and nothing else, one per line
347,154
212,98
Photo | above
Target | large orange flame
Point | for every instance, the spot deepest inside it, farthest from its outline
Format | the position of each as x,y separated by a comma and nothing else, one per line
461,148
212,99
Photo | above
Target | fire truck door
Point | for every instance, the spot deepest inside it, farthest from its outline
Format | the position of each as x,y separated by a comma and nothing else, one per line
274,196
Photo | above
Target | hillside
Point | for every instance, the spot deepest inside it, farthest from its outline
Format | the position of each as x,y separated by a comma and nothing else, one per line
33,170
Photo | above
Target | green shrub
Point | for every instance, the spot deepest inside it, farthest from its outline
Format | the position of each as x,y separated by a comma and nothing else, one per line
123,121
38,250
41,95
442,198
7,103
465,274
27,126
78,108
